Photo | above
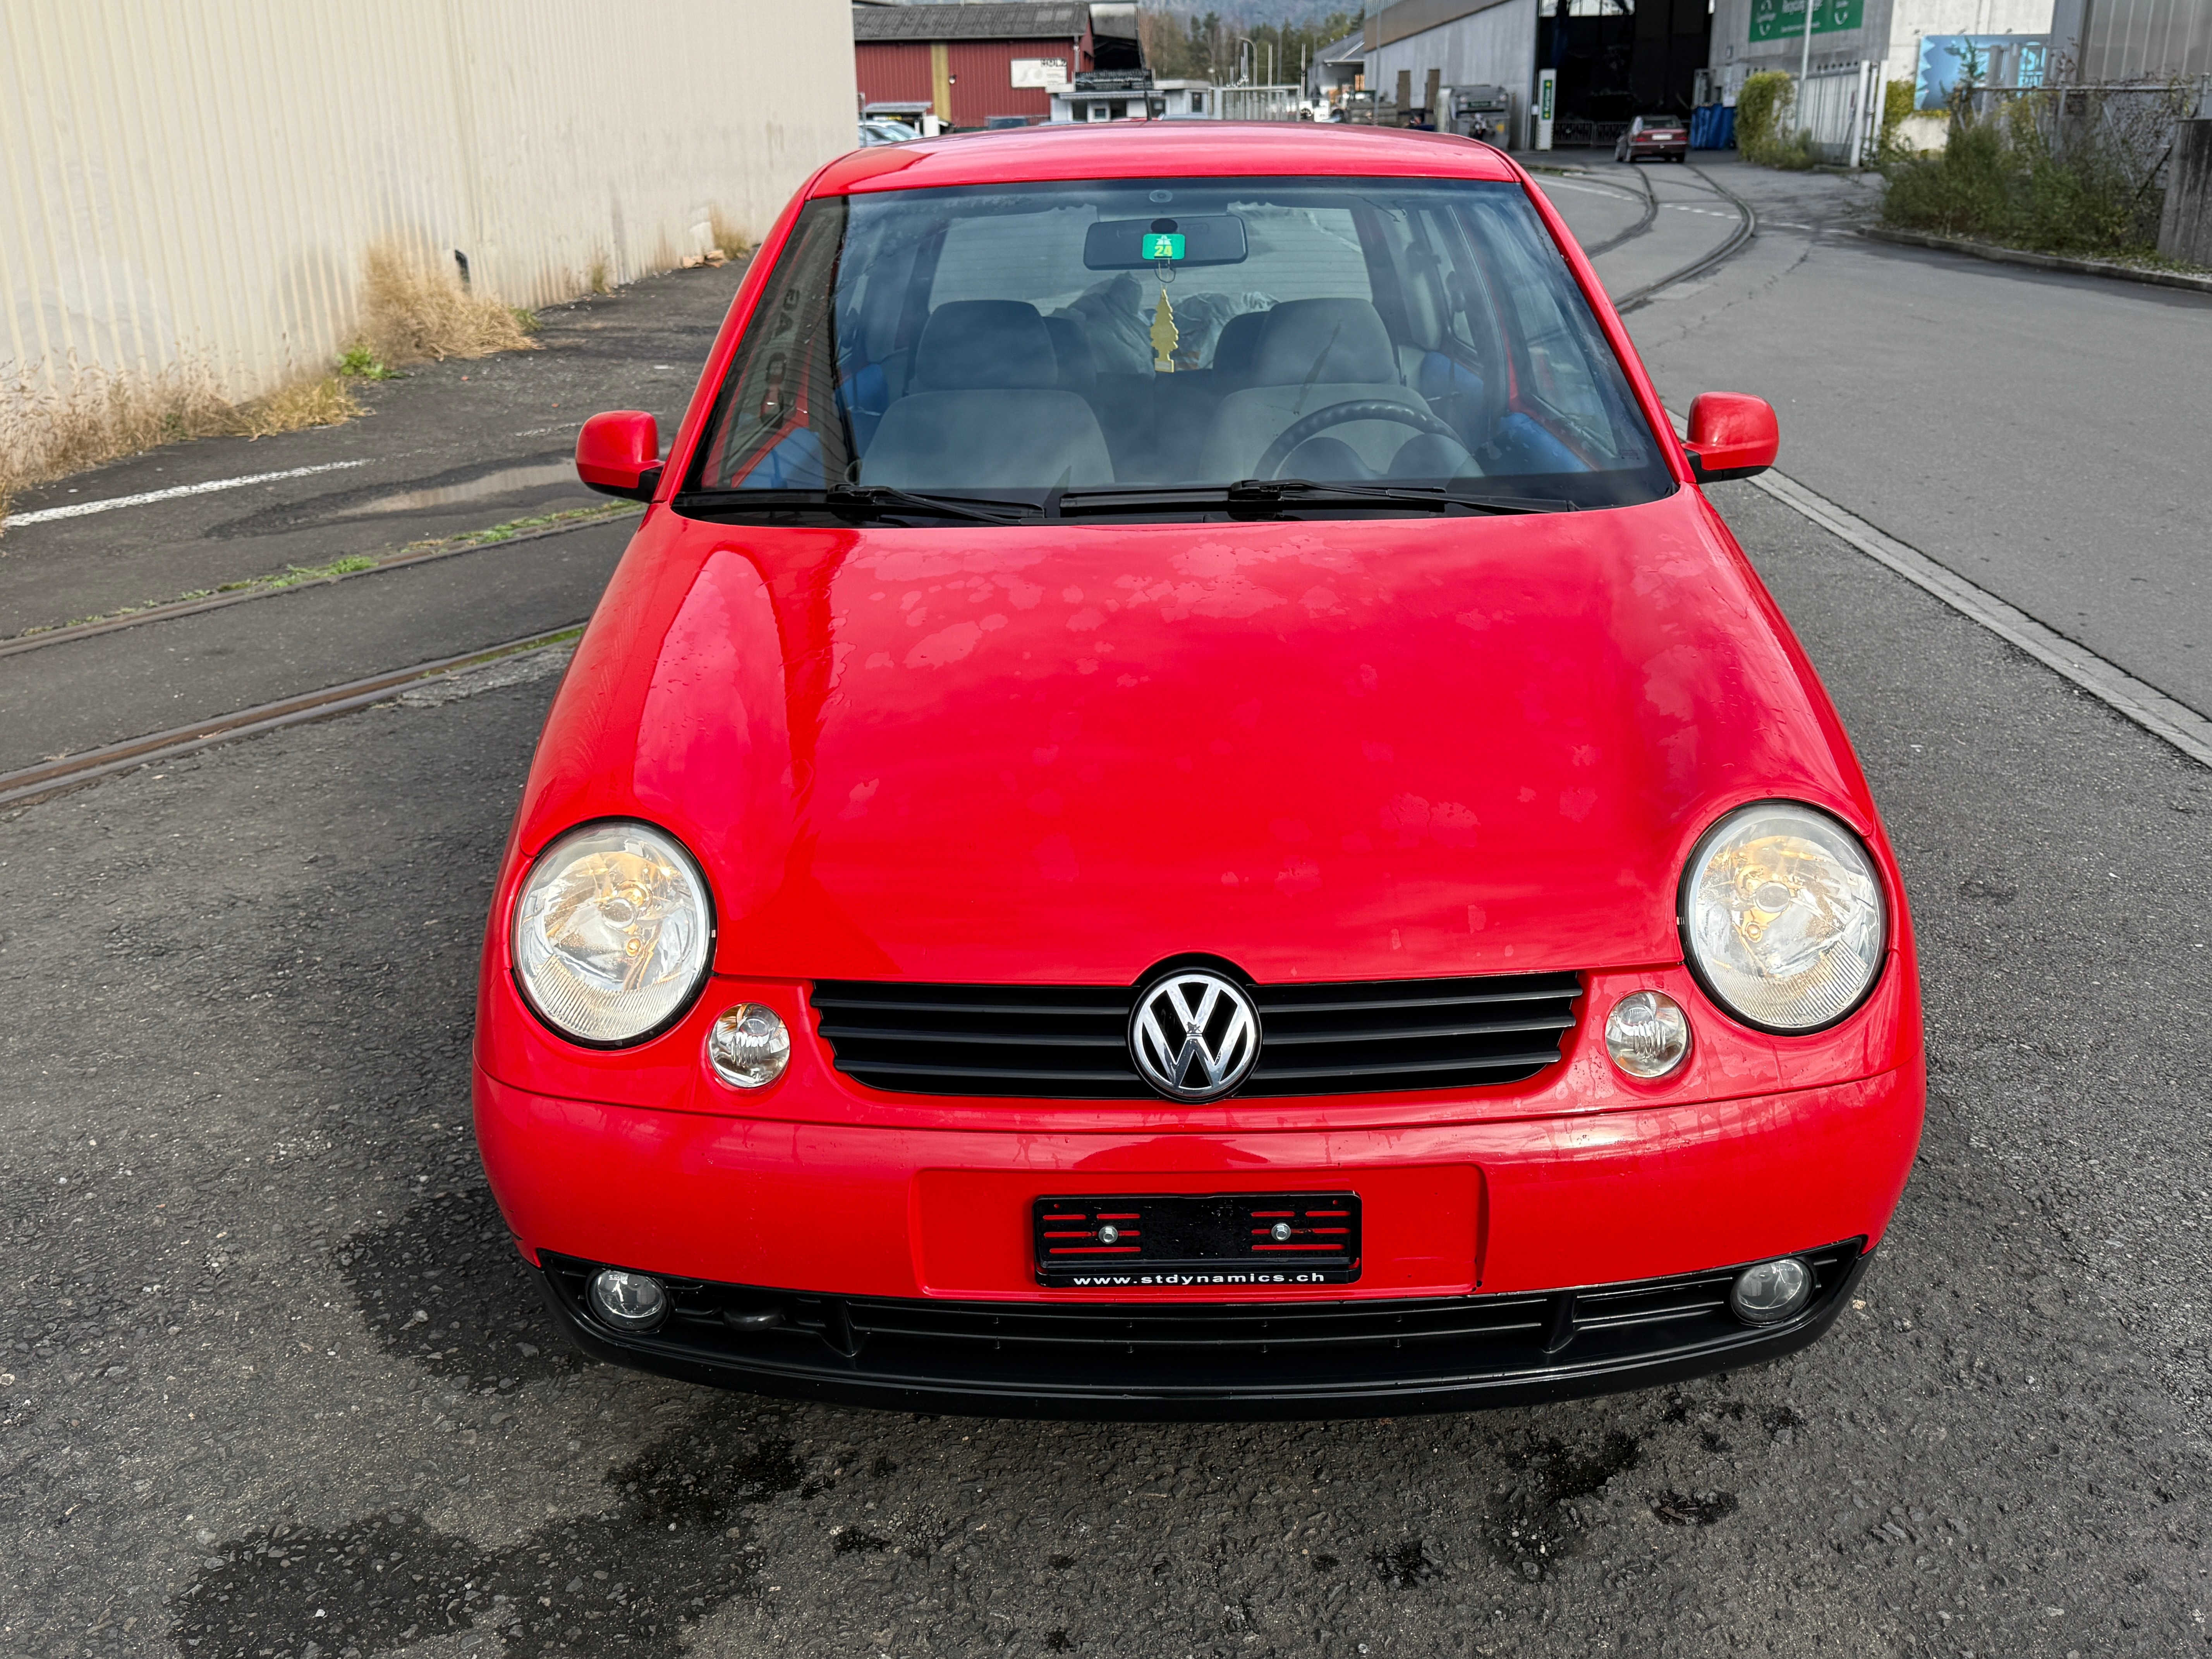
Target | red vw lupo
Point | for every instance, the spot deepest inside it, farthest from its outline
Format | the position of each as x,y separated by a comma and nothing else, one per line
1180,808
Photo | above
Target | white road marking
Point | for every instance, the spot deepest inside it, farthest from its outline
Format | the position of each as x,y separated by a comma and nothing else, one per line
79,509
2133,699
2111,684
1616,191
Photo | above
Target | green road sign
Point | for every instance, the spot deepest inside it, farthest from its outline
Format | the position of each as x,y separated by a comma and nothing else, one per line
1785,20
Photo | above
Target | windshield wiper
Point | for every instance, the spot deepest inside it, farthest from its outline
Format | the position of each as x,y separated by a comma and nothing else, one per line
1264,497
859,501
1313,492
877,498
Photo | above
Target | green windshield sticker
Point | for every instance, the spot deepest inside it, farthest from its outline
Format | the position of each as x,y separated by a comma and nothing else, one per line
1159,246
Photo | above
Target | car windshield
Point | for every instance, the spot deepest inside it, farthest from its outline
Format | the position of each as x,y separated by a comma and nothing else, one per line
1159,348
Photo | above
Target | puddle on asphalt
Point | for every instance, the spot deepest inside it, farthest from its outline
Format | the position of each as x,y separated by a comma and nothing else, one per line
676,1542
505,482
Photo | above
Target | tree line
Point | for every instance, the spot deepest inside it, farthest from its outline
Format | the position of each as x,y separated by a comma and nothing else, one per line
1210,46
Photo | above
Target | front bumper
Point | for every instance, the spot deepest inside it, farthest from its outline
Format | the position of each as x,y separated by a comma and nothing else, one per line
901,1264
1238,1360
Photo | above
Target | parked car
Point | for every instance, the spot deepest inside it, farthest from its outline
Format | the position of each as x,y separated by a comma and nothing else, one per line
1654,138
1117,846
875,130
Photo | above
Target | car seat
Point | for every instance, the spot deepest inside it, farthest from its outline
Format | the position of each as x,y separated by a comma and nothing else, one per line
1311,354
988,410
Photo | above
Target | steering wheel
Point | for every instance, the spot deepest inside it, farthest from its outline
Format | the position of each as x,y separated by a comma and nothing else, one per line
1357,409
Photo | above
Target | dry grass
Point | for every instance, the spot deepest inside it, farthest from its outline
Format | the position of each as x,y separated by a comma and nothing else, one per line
303,404
727,237
105,417
44,434
410,315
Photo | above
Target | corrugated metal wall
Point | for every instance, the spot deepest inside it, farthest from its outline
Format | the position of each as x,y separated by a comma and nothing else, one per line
2130,40
894,71
983,79
197,180
982,75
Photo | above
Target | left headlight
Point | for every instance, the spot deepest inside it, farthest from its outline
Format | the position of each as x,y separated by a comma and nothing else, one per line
613,933
1782,917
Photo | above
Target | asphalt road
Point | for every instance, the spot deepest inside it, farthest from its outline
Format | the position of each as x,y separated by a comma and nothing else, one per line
452,448
264,1335
272,1383
1638,224
2042,434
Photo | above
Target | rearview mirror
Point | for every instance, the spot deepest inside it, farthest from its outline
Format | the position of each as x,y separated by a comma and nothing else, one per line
1731,436
619,454
1203,239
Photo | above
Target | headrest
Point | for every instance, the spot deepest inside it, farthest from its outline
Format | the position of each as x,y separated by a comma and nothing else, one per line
1239,344
969,345
1071,350
1338,342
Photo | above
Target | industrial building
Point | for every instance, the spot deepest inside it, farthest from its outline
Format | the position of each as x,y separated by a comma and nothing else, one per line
991,62
1614,59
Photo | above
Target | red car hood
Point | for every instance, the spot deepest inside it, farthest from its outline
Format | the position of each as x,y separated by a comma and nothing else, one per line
1332,750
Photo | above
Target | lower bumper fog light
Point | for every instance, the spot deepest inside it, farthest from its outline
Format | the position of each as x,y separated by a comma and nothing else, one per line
629,1302
749,1046
1771,1292
1647,1034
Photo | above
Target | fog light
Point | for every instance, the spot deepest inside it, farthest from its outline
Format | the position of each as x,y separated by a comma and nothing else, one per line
1647,1034
749,1046
629,1302
1770,1291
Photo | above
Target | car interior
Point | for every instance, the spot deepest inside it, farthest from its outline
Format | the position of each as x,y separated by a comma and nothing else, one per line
1334,337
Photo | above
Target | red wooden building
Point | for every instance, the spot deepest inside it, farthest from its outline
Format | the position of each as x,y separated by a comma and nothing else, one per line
986,59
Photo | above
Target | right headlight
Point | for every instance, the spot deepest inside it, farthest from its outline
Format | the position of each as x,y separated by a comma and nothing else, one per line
1782,917
614,931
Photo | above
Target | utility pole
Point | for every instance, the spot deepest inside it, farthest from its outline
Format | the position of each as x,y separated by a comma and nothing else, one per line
1805,61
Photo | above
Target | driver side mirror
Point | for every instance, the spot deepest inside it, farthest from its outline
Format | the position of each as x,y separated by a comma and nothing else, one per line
619,454
1731,436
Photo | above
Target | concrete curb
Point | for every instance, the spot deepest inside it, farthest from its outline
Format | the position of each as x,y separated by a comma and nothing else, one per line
2013,256
2134,700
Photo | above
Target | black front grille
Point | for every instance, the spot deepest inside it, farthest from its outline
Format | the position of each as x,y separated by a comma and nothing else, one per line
1283,1357
1064,1043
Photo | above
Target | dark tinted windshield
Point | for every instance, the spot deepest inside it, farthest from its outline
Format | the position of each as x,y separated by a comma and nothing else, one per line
1010,343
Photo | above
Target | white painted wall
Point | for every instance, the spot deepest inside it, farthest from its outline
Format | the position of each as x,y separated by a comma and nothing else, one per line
1732,44
196,181
1890,33
1914,18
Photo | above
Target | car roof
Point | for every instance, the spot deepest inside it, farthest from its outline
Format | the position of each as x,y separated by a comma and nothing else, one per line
1147,149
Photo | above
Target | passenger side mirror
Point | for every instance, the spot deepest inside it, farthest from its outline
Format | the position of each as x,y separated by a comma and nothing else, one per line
1731,436
619,454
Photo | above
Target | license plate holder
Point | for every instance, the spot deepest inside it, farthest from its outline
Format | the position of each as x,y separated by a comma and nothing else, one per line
1176,1239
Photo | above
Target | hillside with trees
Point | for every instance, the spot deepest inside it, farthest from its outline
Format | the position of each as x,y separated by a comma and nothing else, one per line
1185,44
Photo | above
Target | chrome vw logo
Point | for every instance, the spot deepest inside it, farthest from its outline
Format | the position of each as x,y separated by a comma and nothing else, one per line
1194,1035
